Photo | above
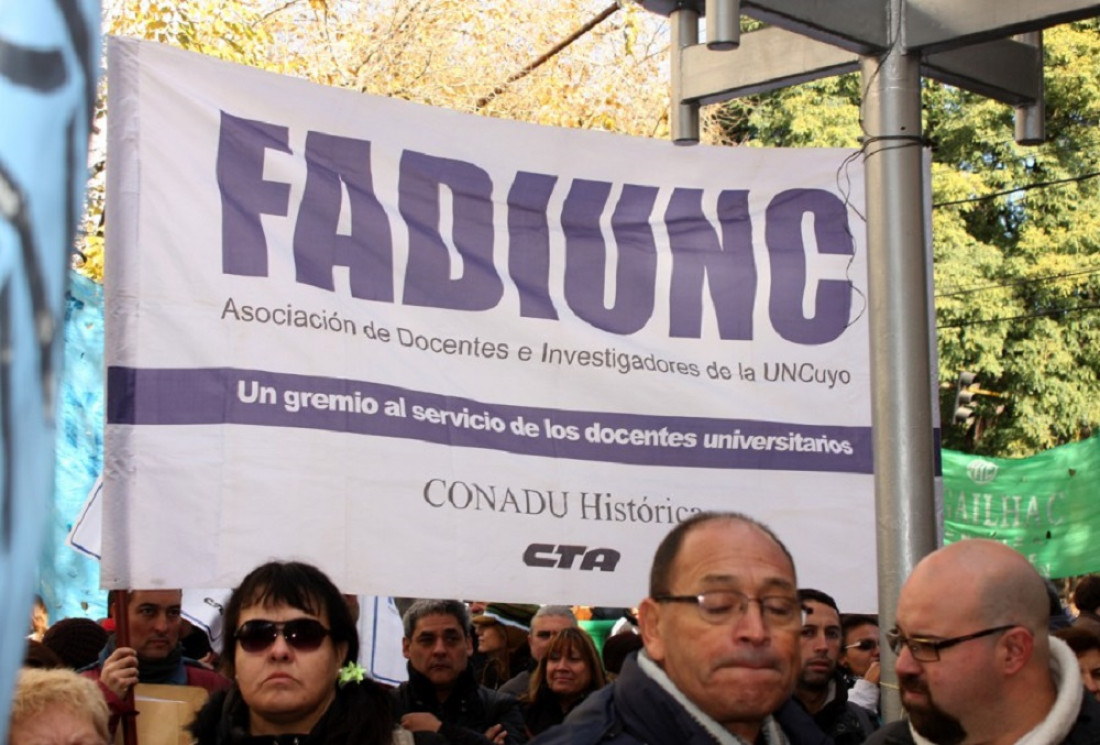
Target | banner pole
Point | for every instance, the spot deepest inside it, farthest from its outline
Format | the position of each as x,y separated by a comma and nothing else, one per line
122,639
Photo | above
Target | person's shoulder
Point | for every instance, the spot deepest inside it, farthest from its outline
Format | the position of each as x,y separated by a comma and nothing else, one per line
204,677
593,721
517,685
494,697
1086,730
892,733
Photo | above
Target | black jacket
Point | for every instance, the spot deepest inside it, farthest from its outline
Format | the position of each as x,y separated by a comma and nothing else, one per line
845,722
635,709
1086,731
468,711
361,714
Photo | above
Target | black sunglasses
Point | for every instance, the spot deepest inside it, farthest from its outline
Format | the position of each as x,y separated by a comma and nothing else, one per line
864,645
304,634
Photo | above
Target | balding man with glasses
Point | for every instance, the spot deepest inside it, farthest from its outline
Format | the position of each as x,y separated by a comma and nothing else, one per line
721,629
975,662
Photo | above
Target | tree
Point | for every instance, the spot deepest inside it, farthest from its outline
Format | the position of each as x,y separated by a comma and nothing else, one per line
1015,239
459,54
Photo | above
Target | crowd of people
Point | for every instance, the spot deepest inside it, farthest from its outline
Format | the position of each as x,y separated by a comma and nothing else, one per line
725,648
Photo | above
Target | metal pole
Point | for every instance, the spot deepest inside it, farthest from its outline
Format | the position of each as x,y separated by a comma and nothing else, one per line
901,387
684,24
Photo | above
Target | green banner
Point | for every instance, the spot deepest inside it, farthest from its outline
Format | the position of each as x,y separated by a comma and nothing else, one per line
1047,507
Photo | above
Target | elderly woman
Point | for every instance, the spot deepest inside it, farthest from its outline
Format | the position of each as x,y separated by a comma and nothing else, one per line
291,633
568,672
57,706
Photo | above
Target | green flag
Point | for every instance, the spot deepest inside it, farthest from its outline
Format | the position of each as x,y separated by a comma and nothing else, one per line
1047,507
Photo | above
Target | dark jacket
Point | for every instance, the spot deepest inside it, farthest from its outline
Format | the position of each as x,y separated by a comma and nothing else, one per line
843,721
1085,732
545,711
361,714
635,710
468,711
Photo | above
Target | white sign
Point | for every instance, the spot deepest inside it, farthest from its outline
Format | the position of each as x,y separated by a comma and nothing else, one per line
446,355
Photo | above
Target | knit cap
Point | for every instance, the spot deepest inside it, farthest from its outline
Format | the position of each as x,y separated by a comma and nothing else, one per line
77,641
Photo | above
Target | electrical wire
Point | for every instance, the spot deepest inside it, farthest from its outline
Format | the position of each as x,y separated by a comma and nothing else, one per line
1024,317
1014,190
1021,282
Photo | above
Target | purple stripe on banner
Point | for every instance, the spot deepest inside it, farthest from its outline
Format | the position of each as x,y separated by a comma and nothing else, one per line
231,396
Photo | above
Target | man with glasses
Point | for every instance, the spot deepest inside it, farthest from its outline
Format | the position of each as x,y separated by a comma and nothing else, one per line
547,621
821,688
975,661
859,659
721,630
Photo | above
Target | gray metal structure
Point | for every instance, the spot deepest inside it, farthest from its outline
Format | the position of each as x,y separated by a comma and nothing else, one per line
992,47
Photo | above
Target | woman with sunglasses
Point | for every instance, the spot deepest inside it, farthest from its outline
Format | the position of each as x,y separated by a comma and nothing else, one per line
859,658
569,671
289,633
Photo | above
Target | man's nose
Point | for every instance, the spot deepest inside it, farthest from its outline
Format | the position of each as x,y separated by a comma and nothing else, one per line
906,663
750,626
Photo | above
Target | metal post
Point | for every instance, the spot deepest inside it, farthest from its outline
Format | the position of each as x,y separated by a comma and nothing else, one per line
1031,118
723,24
684,23
901,387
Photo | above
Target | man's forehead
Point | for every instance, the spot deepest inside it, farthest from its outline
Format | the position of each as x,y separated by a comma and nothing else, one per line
556,622
819,614
727,551
156,597
434,623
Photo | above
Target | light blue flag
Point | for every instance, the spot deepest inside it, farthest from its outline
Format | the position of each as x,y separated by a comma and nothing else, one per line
49,60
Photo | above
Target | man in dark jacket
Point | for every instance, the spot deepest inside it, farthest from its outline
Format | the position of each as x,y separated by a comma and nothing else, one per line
721,630
821,688
975,660
441,694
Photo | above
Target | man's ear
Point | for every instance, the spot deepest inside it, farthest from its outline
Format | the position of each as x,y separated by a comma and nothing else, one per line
405,644
649,623
1015,649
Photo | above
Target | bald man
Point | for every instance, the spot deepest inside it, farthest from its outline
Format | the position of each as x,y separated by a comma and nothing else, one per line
975,663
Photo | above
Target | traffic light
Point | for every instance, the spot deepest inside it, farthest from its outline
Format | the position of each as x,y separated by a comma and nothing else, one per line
964,394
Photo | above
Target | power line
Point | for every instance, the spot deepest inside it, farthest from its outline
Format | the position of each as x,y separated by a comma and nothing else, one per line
1026,316
1026,187
1021,282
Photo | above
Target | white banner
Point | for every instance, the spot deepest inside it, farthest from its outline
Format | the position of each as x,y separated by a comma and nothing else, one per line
448,355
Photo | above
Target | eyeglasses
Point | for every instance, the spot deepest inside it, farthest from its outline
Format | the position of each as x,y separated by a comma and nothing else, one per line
304,634
863,645
723,606
928,650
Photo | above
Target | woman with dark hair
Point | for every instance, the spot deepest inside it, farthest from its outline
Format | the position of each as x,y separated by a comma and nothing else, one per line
565,676
289,633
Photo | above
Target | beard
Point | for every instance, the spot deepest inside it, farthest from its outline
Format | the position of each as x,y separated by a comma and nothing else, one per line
929,720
